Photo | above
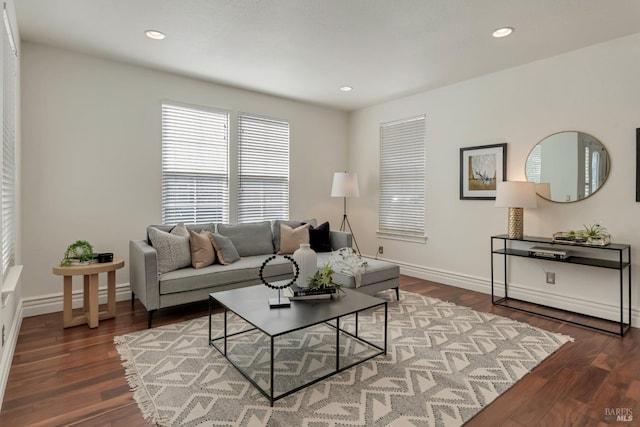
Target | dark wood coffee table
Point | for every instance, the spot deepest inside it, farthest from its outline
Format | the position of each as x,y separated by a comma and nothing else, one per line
252,305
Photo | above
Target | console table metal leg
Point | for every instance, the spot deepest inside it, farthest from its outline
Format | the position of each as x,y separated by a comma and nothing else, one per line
629,284
492,294
209,319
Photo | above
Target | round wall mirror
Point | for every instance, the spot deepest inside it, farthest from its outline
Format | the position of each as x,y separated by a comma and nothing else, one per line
568,166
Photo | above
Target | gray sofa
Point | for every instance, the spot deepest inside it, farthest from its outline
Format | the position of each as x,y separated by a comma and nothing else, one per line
255,242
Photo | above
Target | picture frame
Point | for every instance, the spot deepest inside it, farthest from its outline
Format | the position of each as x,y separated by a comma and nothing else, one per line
481,168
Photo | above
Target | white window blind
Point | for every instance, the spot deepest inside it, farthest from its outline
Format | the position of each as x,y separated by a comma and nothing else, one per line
263,167
9,61
402,174
195,177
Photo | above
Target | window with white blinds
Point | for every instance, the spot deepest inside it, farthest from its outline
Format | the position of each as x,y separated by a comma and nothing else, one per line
263,168
402,176
195,175
7,212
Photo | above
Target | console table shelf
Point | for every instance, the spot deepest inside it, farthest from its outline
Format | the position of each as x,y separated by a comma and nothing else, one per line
613,257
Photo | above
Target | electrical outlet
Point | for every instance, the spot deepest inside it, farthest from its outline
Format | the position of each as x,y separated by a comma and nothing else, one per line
380,249
551,278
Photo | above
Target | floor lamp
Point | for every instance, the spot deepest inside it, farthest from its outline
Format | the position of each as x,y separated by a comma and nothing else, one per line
345,184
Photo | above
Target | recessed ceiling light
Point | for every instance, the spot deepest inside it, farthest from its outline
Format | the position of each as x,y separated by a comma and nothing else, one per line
155,35
346,88
502,32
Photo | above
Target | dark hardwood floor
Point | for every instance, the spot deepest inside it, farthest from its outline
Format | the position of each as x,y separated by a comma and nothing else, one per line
74,376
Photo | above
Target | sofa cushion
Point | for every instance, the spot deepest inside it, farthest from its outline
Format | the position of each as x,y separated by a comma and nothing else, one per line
292,224
225,250
252,238
291,238
172,248
202,252
319,237
245,270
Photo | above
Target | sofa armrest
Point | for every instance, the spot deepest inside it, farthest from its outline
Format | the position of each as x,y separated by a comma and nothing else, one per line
340,239
143,273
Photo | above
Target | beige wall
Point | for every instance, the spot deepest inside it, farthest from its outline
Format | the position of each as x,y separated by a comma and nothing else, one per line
92,149
594,90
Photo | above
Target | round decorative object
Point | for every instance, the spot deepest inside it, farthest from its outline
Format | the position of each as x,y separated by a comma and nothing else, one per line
307,260
296,272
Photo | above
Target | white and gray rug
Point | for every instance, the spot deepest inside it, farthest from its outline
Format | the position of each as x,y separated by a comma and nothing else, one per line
443,365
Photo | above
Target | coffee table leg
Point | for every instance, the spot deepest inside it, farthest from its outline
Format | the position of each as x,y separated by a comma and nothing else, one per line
337,344
357,312
385,327
225,332
272,384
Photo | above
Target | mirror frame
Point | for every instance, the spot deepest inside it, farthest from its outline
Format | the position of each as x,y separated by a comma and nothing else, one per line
608,167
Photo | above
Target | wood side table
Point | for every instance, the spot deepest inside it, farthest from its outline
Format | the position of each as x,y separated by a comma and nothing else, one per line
91,315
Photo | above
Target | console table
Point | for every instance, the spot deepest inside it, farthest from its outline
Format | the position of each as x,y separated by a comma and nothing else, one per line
613,256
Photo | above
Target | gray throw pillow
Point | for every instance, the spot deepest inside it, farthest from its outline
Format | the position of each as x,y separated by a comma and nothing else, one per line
172,248
226,252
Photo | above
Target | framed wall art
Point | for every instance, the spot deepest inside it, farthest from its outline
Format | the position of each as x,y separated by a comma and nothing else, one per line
481,168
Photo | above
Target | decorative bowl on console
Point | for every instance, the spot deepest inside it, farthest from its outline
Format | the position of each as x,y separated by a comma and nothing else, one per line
590,235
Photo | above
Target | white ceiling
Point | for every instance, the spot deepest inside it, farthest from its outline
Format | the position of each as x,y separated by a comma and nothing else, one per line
308,49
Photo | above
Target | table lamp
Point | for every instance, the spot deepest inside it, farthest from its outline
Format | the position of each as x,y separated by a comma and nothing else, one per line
516,195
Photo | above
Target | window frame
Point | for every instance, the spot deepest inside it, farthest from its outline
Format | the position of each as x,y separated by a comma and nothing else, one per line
416,158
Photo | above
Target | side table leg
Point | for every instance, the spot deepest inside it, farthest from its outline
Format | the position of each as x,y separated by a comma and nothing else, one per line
67,308
85,294
93,301
111,293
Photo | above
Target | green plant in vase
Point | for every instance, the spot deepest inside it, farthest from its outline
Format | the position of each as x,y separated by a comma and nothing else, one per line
80,251
595,233
323,278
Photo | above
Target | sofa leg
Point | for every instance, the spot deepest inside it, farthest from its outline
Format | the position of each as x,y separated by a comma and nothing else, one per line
398,294
133,297
150,316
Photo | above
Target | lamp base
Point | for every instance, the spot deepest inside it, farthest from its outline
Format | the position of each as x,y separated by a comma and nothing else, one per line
516,223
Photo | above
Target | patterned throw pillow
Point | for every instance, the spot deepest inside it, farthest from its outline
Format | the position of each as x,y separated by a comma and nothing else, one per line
172,248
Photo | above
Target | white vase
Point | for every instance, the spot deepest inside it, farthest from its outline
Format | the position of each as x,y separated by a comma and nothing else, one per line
307,261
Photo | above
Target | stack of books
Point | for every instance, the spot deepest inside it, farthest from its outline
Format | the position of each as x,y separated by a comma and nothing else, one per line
295,293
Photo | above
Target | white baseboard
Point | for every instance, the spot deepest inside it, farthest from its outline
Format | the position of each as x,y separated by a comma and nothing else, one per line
9,350
52,303
538,296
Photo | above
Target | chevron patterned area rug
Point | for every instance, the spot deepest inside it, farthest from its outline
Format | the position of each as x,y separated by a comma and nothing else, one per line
444,364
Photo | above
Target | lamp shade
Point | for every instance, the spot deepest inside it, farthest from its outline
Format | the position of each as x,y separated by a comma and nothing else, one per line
345,184
516,194
544,190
